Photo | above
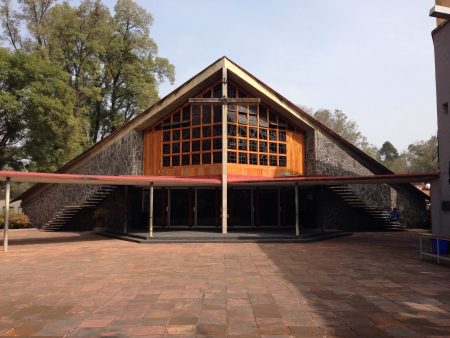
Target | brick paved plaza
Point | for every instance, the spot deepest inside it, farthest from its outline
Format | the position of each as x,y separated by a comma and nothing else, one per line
367,285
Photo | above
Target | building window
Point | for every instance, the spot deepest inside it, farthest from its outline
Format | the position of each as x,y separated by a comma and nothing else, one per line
256,134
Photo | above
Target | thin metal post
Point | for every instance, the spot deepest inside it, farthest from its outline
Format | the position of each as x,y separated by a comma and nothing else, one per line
5,229
224,151
297,213
150,218
195,207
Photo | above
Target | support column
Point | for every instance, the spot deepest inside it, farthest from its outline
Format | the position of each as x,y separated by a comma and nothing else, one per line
224,151
297,212
150,211
5,229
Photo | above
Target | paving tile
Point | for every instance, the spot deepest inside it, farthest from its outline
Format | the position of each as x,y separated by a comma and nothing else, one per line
367,285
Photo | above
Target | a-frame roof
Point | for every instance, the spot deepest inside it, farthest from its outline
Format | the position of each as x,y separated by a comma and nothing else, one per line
208,76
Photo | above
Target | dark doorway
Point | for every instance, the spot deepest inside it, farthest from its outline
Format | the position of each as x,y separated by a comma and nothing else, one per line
267,207
287,204
181,205
239,205
207,208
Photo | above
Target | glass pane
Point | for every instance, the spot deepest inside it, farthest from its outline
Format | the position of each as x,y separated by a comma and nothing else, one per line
195,159
272,135
263,147
282,161
231,90
242,158
282,136
231,143
196,145
166,161
186,134
217,130
281,123
176,120
243,131
231,157
242,118
231,130
196,132
273,160
242,94
217,143
281,148
263,134
206,131
242,144
262,159
166,136
253,159
253,145
206,115
206,158
175,135
175,160
217,157
206,145
231,113
195,115
166,148
166,123
217,111
253,132
217,91
185,159
186,147
207,94
175,148
186,121
263,117
273,148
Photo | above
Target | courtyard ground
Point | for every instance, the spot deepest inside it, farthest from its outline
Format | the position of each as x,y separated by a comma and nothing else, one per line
366,285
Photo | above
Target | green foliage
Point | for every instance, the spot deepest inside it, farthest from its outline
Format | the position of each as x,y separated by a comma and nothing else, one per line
422,156
16,221
81,71
339,122
36,110
388,152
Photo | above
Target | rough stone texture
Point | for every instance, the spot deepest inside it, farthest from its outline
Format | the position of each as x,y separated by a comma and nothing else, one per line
333,160
124,157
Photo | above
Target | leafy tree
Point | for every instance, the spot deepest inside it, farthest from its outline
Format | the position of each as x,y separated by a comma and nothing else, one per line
339,122
110,60
422,156
388,152
36,121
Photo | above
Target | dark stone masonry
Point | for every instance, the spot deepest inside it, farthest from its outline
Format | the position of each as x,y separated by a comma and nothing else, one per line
322,157
124,157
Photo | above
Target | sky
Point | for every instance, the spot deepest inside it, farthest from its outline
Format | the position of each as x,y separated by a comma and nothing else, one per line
372,59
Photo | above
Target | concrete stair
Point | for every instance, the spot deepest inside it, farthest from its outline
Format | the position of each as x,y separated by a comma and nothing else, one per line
63,216
378,215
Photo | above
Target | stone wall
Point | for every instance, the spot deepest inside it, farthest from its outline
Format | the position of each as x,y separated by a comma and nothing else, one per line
332,160
124,157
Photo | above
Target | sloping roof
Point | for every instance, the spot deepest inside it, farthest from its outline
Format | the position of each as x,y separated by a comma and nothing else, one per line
208,75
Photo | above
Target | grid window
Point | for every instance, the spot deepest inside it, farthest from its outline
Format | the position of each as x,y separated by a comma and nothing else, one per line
242,158
185,159
217,157
196,145
175,160
242,144
186,147
195,159
206,158
231,157
192,135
